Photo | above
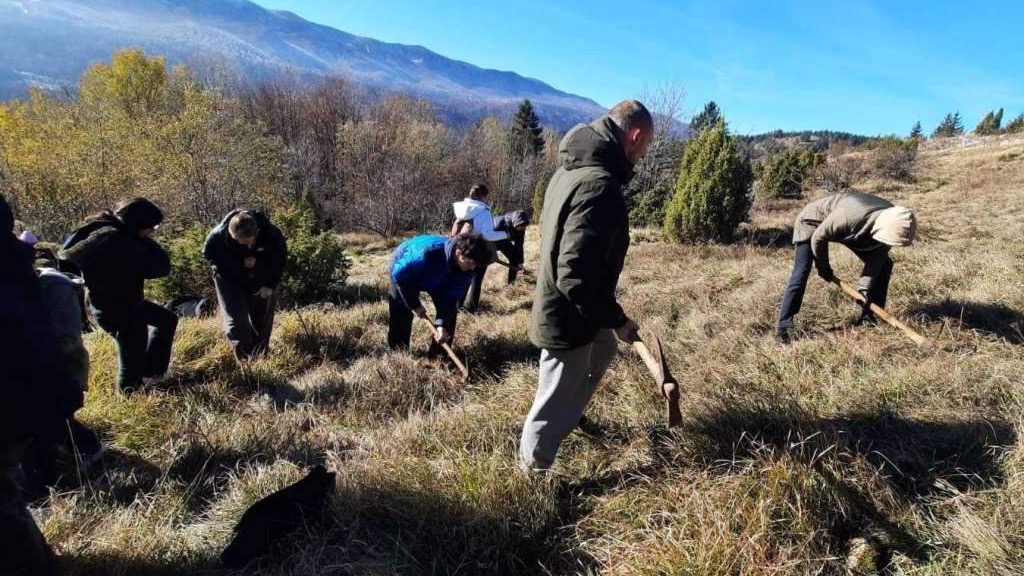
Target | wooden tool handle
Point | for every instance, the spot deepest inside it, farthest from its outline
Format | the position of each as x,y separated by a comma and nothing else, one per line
645,354
857,296
448,349
669,388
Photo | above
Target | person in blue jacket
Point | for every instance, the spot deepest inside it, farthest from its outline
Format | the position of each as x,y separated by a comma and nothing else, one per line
443,268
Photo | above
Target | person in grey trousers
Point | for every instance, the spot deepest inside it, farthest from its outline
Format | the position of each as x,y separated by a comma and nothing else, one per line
585,237
248,254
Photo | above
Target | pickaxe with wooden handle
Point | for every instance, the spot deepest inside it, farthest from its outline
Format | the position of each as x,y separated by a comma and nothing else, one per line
447,348
859,298
655,361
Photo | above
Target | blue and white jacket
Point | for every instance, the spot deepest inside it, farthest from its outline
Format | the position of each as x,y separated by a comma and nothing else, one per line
427,264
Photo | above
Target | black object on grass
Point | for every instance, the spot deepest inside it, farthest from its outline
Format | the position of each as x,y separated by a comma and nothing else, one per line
277,516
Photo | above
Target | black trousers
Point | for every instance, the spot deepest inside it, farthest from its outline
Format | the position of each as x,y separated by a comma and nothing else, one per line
472,300
793,296
24,548
513,251
144,335
400,321
248,319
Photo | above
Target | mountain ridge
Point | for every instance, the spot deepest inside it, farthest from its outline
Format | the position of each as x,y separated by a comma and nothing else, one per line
50,42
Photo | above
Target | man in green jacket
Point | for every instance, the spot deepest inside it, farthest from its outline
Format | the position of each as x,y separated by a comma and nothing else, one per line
585,236
866,224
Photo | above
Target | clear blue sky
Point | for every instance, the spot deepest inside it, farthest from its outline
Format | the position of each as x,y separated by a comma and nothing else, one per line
861,66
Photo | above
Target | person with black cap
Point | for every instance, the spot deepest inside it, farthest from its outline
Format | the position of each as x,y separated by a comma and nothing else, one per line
38,397
116,255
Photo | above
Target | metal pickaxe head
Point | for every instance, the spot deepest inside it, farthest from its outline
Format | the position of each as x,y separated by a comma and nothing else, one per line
669,386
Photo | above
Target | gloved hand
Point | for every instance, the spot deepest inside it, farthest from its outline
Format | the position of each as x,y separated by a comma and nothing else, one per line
825,272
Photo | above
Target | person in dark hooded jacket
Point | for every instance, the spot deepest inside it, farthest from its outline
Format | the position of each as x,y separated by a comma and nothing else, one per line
248,254
38,396
514,247
116,255
513,227
584,239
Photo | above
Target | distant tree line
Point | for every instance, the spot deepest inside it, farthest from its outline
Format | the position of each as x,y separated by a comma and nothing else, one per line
198,148
990,124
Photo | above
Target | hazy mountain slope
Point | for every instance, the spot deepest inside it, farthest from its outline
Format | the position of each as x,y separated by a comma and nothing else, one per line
49,43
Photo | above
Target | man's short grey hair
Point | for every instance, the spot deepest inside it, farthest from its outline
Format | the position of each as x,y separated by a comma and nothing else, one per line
631,114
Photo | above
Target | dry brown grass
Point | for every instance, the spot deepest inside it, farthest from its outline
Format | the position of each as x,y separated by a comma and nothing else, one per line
787,454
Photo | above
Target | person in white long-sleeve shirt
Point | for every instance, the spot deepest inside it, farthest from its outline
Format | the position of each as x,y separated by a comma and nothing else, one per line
473,211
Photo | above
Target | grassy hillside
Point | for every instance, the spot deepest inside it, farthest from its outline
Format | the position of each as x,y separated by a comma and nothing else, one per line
787,457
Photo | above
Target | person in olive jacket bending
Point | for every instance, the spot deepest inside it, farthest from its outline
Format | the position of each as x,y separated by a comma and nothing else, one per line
248,255
867,225
116,256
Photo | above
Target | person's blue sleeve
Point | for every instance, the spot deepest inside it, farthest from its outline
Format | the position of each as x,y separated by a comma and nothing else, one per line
406,274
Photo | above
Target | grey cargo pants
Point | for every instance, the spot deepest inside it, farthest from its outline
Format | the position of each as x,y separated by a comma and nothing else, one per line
567,381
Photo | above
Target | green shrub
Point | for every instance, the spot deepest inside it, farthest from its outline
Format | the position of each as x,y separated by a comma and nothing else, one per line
317,265
316,269
648,208
190,271
894,158
783,175
713,194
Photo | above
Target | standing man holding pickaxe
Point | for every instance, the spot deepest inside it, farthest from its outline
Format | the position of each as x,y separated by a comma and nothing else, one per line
585,236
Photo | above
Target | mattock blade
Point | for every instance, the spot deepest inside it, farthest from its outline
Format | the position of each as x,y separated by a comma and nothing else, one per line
669,386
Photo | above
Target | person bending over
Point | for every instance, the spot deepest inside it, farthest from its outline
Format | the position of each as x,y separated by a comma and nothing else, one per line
248,254
440,267
116,255
868,225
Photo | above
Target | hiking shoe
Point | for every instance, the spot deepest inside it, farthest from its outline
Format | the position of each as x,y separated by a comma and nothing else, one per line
782,337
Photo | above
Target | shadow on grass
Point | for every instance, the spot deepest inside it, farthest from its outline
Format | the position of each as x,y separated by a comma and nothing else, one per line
206,468
492,355
353,293
121,478
425,534
390,527
914,459
910,460
993,320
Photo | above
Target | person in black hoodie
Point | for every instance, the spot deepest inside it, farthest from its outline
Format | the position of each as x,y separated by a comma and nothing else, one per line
248,254
116,255
38,396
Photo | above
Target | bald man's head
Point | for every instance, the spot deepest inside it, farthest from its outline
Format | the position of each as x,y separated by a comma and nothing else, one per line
635,121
